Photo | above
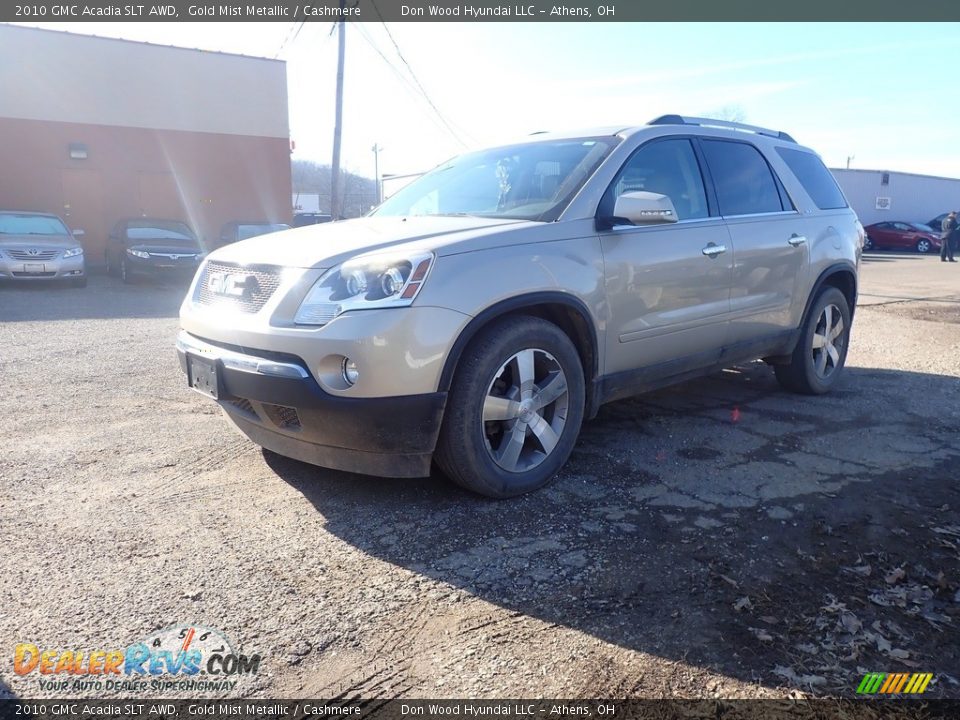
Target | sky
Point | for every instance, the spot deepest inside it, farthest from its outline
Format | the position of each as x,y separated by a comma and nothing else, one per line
884,96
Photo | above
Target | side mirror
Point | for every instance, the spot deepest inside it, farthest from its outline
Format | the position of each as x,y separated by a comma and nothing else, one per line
644,208
78,233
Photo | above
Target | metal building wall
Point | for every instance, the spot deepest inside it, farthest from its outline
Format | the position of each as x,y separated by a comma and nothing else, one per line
907,197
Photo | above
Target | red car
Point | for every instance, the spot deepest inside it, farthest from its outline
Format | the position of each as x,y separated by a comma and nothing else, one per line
896,235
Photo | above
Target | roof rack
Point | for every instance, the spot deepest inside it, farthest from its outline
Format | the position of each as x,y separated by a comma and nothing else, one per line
709,122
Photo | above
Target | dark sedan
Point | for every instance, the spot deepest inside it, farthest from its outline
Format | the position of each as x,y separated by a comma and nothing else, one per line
147,246
897,235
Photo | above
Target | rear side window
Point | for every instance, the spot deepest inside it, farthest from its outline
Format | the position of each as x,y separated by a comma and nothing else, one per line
819,183
745,184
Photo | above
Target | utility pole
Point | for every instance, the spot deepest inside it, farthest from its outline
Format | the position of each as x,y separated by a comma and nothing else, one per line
376,171
849,158
335,209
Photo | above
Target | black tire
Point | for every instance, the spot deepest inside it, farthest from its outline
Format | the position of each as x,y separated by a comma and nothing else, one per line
924,245
465,449
802,374
125,274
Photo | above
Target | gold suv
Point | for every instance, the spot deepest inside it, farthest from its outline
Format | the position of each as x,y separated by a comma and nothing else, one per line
482,313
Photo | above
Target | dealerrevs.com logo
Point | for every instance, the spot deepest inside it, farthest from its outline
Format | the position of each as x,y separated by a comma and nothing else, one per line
182,657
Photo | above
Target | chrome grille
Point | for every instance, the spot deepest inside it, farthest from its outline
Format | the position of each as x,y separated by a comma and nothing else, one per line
282,416
250,298
30,255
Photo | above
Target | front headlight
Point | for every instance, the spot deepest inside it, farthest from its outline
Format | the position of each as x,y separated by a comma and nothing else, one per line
73,252
138,253
366,282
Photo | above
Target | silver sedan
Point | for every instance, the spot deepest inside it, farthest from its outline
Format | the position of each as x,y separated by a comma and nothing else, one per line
37,246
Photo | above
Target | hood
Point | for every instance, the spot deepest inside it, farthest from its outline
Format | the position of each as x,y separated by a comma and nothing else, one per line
47,242
322,246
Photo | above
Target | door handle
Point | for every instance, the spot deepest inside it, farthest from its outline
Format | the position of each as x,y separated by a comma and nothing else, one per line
712,250
797,240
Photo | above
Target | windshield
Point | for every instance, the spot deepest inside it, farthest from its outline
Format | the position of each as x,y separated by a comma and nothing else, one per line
158,230
921,227
31,225
534,181
245,232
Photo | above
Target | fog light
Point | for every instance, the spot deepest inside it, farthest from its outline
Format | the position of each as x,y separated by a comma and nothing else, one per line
350,372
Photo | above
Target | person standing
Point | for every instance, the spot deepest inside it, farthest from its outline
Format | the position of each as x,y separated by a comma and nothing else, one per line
948,232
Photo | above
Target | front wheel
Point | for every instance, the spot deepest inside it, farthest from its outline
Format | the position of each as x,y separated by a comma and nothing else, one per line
821,351
924,245
514,409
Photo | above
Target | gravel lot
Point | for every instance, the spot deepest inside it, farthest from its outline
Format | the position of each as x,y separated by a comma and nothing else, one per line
717,538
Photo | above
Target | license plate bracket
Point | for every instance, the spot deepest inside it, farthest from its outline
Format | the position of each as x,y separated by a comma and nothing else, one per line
33,268
202,376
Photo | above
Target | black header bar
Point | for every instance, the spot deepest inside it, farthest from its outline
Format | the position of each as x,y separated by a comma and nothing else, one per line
480,11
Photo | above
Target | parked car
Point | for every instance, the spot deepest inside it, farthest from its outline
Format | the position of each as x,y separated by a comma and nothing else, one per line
483,312
235,230
38,246
310,218
899,235
937,223
149,246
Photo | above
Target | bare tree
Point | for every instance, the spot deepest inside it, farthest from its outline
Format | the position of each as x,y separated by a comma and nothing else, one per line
359,193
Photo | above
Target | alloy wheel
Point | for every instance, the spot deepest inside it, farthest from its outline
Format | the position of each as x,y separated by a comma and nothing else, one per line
525,410
828,341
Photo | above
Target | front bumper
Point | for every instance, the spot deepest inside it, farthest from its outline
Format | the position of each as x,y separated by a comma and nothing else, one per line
274,400
161,265
57,269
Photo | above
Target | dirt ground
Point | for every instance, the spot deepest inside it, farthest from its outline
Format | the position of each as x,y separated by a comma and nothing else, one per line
717,539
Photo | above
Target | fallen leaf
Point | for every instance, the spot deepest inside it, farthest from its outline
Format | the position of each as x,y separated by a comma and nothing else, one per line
729,581
761,635
899,654
861,570
850,622
790,675
743,603
895,576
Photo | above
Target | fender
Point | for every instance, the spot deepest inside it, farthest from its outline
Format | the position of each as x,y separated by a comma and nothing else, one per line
840,267
483,318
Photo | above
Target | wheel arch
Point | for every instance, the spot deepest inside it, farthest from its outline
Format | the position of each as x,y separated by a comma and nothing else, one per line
566,311
841,276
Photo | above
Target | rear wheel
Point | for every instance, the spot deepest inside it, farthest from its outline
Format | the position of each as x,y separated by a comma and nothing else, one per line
924,245
514,409
821,351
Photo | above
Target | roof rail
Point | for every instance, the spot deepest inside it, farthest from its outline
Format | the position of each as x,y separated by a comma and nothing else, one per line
709,122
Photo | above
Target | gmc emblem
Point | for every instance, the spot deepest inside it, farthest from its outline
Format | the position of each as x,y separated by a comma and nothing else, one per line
232,284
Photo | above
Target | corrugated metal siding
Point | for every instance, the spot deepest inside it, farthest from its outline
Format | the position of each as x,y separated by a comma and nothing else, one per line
913,198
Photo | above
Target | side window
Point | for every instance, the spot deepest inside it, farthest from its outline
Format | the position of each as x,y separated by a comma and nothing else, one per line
745,184
668,167
819,183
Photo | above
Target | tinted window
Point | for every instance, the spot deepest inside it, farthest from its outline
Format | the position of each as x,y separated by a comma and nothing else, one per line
31,225
245,232
819,183
745,184
668,167
158,230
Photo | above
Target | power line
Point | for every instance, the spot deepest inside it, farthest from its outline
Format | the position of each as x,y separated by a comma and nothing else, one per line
403,78
413,75
287,39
